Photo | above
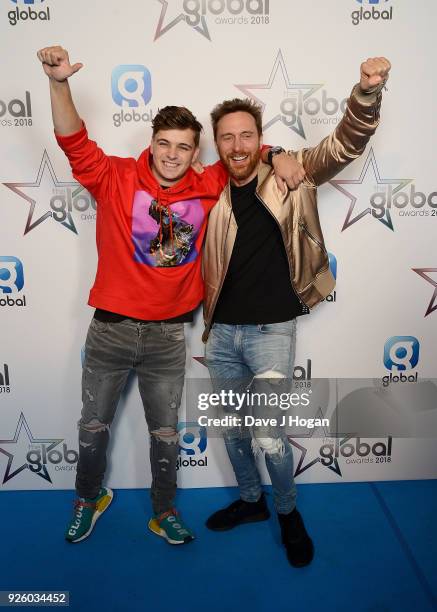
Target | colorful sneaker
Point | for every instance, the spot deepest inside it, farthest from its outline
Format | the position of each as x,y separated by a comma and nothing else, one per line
170,526
86,512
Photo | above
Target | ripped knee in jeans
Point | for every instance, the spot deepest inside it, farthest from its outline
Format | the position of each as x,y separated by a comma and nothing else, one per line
166,434
87,431
274,447
271,378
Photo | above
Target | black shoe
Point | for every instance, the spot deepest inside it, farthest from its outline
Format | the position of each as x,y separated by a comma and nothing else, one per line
298,544
237,513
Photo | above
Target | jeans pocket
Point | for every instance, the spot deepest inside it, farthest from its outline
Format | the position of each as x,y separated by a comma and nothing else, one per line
175,332
286,328
99,326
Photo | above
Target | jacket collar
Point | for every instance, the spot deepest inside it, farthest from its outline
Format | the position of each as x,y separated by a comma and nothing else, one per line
264,171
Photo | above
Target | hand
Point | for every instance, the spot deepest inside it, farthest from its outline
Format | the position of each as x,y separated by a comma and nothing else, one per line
374,71
198,167
288,172
56,63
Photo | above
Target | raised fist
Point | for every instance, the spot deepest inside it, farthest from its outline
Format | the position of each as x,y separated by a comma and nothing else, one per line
374,71
56,63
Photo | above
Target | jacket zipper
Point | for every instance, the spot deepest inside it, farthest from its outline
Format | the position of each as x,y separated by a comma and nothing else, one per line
208,327
307,231
305,307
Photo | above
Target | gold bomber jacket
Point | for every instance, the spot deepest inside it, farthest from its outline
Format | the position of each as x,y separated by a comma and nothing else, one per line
296,211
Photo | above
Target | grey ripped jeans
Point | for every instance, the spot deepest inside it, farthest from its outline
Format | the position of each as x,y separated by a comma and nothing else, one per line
156,352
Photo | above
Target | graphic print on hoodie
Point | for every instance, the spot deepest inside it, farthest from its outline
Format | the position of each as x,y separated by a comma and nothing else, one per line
165,235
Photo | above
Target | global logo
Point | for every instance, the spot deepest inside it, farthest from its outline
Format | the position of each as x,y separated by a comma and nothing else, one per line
11,281
24,12
302,374
332,297
333,264
401,353
192,438
19,109
53,199
11,274
349,449
131,87
192,445
5,386
291,103
23,452
371,194
372,13
194,13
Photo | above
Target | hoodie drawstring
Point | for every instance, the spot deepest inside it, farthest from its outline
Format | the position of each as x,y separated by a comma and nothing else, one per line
162,206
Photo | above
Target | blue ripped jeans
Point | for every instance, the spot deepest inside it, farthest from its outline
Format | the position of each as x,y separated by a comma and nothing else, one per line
235,355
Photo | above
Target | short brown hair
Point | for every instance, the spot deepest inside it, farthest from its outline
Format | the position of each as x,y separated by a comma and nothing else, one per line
176,118
234,106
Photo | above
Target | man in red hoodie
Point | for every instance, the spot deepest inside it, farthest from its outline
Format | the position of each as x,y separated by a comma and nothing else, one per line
151,221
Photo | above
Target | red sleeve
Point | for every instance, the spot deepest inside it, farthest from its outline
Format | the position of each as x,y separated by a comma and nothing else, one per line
265,147
216,177
89,164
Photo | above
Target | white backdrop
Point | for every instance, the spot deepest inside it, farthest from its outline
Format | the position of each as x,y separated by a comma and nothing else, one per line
300,60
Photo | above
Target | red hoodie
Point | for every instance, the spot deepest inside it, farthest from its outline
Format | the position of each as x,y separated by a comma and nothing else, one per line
148,238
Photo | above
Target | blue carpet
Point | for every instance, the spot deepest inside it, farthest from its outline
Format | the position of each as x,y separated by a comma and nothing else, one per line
376,551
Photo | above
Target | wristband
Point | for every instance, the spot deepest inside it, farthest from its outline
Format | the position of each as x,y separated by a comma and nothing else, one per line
274,151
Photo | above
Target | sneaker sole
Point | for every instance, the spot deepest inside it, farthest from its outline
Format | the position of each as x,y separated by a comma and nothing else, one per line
101,506
153,525
256,518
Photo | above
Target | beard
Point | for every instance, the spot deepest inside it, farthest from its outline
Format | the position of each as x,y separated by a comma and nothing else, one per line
241,171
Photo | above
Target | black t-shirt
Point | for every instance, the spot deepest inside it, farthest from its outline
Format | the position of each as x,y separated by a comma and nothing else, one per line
112,317
257,287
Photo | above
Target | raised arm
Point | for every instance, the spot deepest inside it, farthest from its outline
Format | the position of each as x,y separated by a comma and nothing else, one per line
90,166
56,65
360,120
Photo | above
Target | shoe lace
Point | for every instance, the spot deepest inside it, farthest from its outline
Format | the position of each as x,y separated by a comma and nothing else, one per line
236,505
161,517
81,503
178,526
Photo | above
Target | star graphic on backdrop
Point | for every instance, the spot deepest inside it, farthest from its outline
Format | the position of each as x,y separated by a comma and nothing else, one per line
357,195
176,16
424,273
23,438
272,95
45,181
300,468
